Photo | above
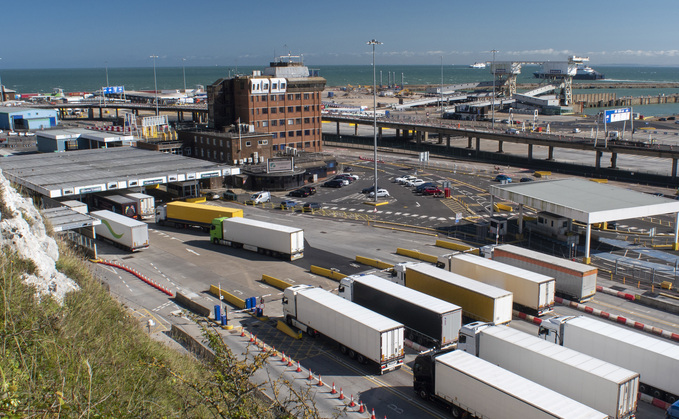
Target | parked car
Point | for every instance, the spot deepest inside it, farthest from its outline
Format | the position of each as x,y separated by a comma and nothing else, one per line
345,181
369,189
335,183
432,190
576,130
310,189
300,193
511,131
287,204
404,179
212,196
526,179
351,175
419,189
230,195
503,178
414,182
381,193
311,206
348,169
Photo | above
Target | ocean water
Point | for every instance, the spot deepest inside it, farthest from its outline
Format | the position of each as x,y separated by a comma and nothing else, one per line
168,78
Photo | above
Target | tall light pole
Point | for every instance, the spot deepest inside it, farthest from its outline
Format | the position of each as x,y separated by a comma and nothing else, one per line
104,93
2,90
373,43
184,72
155,81
442,88
493,98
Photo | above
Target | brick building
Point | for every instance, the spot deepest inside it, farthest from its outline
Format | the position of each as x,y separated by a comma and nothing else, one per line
284,101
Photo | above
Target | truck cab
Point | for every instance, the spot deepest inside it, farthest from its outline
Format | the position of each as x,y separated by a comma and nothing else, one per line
161,214
398,275
346,288
216,229
290,306
552,329
468,340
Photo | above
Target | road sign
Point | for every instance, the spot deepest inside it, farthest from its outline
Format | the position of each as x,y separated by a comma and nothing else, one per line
617,115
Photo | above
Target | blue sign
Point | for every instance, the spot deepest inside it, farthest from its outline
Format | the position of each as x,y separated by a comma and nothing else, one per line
114,89
616,115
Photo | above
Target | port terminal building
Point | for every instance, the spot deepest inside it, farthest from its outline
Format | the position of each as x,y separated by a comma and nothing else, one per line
17,118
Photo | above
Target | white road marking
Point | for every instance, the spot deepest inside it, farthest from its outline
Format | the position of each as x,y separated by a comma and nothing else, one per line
193,251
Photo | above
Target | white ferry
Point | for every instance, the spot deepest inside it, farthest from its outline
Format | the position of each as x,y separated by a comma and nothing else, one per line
477,65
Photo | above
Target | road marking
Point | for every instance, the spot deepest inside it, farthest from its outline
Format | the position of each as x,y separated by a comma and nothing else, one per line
417,204
238,291
193,251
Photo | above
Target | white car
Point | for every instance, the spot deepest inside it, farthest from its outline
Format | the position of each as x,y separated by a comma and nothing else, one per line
381,193
351,175
345,182
404,179
415,182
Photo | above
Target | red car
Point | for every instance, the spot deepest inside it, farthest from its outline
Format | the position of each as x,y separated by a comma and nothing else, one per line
432,190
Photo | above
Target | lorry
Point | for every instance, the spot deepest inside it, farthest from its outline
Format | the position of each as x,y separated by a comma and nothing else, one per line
596,383
468,385
656,360
479,301
575,281
533,292
181,214
270,239
359,332
146,204
122,231
429,321
115,203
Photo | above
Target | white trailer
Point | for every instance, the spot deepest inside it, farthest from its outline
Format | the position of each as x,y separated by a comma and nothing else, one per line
429,321
259,236
606,387
656,360
575,281
122,231
360,333
479,301
532,291
469,384
146,204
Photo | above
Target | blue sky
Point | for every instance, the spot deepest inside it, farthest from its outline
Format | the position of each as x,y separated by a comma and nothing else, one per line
123,33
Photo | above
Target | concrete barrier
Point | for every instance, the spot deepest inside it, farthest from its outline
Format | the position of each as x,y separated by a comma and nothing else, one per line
417,255
328,273
457,246
283,327
275,282
373,262
230,298
186,300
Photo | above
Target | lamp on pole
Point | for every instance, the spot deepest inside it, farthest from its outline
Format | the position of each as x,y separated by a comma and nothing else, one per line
493,98
373,43
184,73
442,87
2,90
155,81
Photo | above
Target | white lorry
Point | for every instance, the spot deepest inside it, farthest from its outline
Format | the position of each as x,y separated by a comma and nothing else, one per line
479,301
259,236
605,387
469,385
360,333
533,292
429,321
146,204
122,231
656,360
575,281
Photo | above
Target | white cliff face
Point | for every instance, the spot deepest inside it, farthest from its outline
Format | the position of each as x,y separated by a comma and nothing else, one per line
25,233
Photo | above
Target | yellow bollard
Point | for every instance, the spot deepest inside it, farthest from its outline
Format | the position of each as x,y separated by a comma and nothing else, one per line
623,279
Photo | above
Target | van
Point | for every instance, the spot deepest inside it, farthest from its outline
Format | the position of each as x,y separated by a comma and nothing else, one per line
259,198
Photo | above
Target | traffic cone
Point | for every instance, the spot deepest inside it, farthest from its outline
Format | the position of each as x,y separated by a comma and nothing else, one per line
341,397
361,409
242,333
351,403
299,369
283,359
333,391
311,377
320,381
289,362
372,415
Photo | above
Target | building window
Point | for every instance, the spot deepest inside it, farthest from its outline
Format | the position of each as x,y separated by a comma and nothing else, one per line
281,97
257,111
299,133
274,123
306,96
214,141
291,109
274,85
274,135
281,109
264,124
221,143
298,108
273,98
299,145
306,120
298,121
307,144
263,142
298,96
265,111
274,110
282,134
221,155
281,122
202,153
290,97
306,108
275,148
228,144
291,134
283,86
306,132
248,144
291,121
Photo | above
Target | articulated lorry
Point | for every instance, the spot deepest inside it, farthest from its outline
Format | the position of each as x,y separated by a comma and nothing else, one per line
429,321
360,333
122,231
606,387
181,214
656,360
259,236
574,281
479,301
146,204
115,203
470,385
533,292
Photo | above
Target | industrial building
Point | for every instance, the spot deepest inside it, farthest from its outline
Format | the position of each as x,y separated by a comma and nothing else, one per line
49,141
15,118
284,100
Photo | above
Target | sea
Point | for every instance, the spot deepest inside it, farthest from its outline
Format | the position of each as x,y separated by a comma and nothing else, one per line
172,78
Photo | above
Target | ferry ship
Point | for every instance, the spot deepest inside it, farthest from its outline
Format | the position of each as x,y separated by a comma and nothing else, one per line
584,72
477,65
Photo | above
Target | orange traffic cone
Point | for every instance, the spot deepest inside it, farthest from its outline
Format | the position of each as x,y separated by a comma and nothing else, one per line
341,396
283,359
351,403
333,391
372,416
311,377
320,381
251,338
361,409
242,333
299,369
289,362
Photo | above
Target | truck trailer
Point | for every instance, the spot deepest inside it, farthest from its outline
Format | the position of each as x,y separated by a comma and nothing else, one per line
429,321
533,292
605,387
656,360
469,385
181,214
479,301
122,231
360,333
115,203
259,236
574,281
146,204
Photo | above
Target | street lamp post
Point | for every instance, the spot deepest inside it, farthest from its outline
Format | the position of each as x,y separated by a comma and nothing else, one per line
373,43
442,88
493,98
2,90
155,81
184,73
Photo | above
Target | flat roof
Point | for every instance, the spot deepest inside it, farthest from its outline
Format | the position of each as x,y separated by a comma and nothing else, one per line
585,201
84,171
88,134
64,218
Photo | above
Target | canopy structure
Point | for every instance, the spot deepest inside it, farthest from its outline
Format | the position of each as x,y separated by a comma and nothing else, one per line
587,202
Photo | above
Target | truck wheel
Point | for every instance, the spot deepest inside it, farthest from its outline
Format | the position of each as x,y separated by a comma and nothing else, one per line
456,412
352,354
343,349
289,321
423,394
671,399
643,389
311,332
361,359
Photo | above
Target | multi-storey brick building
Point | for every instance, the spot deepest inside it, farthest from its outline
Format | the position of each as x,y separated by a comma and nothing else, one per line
284,100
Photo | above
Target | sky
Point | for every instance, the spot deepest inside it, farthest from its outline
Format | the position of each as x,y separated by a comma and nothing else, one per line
124,33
